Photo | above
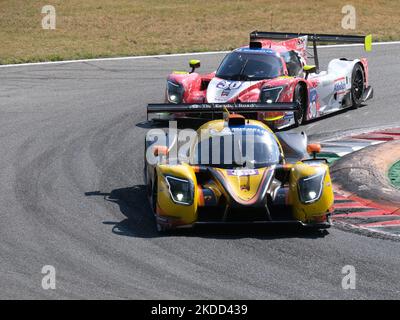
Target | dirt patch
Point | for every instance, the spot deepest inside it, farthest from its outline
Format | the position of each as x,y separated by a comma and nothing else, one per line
105,28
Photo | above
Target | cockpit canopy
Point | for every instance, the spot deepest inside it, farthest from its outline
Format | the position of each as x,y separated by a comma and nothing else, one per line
241,146
247,65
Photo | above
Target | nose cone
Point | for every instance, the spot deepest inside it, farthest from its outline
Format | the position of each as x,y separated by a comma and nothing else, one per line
245,186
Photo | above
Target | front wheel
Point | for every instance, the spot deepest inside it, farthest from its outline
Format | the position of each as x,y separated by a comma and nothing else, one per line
154,195
300,97
161,228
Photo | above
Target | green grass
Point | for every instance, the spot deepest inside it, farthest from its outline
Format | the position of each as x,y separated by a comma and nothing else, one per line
109,28
394,174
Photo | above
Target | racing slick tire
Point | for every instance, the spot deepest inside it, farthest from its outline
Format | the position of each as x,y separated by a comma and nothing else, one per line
300,96
357,86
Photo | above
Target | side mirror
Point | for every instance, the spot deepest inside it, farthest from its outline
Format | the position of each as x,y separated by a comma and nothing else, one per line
194,64
313,149
309,69
160,151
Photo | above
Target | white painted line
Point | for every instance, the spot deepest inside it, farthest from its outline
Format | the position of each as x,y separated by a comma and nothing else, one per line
336,152
357,44
169,55
348,134
342,154
112,59
340,146
348,142
378,231
373,142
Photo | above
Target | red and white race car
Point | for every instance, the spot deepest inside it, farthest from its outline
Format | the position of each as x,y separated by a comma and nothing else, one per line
273,68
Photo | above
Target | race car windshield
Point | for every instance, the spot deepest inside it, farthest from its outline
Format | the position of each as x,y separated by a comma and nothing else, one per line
242,66
238,148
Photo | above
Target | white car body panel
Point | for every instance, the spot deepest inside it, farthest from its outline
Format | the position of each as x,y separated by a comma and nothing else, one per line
334,84
220,90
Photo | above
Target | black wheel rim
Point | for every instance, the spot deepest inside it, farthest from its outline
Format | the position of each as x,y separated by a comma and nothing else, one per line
358,85
299,114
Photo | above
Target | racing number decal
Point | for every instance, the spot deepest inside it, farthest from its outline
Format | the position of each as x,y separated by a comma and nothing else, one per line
226,85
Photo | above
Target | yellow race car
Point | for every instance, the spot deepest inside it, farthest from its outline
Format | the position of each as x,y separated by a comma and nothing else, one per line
235,170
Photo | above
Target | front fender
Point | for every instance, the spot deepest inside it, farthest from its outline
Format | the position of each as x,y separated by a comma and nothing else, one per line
305,212
279,119
192,85
177,214
342,68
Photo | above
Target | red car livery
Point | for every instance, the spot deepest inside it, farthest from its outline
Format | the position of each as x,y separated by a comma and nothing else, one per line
273,68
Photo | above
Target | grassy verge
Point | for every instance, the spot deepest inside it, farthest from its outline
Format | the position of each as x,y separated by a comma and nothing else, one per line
107,28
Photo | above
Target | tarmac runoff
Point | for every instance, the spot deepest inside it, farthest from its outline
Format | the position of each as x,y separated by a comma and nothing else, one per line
364,195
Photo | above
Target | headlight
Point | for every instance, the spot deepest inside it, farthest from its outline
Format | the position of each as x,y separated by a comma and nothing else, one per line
270,94
310,188
181,190
174,92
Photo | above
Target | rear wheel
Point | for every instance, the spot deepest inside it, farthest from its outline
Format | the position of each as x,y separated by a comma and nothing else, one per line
147,180
145,176
300,97
357,85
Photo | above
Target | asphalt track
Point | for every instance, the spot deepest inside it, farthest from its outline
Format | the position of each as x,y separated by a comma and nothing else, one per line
71,196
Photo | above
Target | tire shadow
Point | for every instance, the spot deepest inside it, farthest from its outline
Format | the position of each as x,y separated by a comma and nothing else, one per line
139,221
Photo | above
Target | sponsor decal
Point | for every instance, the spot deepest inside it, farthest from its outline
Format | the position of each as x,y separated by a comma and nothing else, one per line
198,106
301,43
288,116
221,106
243,172
340,84
263,50
227,87
313,110
249,129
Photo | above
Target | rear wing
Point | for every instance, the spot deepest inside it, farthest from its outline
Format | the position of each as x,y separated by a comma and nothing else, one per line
212,108
314,37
